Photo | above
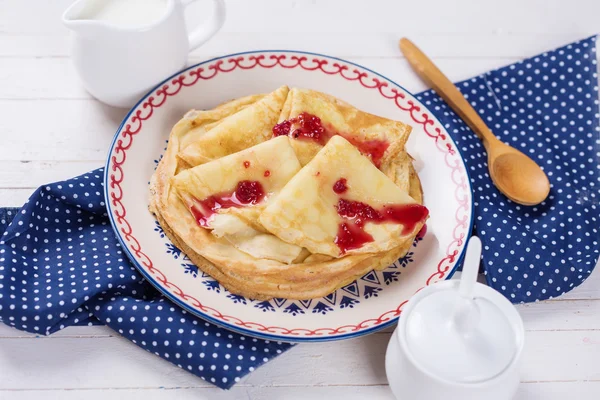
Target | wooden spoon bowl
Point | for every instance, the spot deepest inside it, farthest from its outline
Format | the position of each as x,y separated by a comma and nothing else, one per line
516,175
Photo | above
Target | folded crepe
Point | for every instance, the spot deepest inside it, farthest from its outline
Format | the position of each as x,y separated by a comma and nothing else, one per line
250,125
311,118
213,200
227,196
340,203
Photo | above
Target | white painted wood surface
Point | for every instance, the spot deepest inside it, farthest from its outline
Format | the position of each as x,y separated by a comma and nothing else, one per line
51,129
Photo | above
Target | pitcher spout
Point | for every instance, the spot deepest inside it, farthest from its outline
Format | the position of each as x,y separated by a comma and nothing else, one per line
78,17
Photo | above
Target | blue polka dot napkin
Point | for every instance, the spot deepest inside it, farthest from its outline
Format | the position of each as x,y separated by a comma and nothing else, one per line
61,265
547,107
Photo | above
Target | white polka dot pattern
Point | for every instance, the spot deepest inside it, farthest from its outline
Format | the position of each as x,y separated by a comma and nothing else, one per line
547,107
61,265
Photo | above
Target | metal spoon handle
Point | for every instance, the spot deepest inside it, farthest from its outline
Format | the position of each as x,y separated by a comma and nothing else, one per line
431,74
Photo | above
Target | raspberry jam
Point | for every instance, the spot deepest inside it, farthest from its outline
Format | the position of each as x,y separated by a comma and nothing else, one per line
282,128
375,149
249,192
351,233
310,127
358,212
245,194
422,232
340,186
350,236
267,173
246,164
306,126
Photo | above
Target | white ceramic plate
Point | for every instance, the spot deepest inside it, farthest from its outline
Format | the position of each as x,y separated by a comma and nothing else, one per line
372,302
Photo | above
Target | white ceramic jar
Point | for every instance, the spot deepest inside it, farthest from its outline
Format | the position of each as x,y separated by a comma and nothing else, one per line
439,353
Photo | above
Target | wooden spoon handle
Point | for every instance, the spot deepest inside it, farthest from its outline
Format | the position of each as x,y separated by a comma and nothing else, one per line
427,70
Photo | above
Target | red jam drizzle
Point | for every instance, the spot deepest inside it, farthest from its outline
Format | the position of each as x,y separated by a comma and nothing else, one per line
267,173
351,233
373,148
422,232
311,127
307,126
340,186
246,164
245,194
350,236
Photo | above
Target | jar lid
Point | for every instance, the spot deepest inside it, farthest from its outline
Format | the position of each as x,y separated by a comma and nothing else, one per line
453,351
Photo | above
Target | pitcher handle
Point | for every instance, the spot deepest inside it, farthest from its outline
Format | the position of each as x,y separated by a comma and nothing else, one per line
204,32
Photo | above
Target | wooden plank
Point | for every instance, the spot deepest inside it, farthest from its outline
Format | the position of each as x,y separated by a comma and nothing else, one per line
527,391
137,394
44,363
31,174
75,332
34,45
238,392
561,315
63,130
561,356
580,390
22,17
44,78
344,45
14,197
460,16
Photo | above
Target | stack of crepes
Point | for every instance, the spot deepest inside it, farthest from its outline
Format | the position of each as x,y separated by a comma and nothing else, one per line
290,194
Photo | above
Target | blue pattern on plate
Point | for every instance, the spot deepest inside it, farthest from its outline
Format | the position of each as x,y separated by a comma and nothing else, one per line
363,288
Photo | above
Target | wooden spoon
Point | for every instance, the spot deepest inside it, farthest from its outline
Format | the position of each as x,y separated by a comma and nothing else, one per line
513,173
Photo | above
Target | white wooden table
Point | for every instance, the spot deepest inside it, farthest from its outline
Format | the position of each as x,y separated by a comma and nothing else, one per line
51,129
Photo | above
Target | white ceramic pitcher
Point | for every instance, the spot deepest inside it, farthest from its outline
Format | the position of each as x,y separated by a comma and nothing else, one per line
122,48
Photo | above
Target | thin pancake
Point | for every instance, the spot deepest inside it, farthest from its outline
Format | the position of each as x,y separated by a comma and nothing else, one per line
245,128
307,210
378,138
236,270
